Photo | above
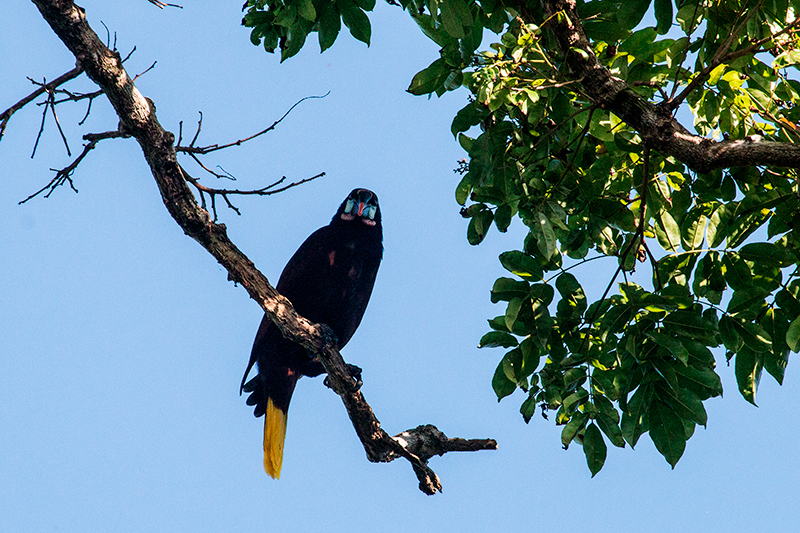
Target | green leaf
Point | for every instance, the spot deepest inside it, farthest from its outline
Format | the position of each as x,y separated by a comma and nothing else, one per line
753,335
688,17
572,427
467,117
686,323
501,384
463,189
693,229
730,337
634,413
504,289
502,217
793,335
512,366
573,299
604,29
545,236
743,226
631,15
767,253
456,17
429,79
478,226
718,228
667,432
685,403
573,378
704,382
747,302
663,10
789,298
356,20
673,345
528,408
709,279
748,368
776,324
667,231
575,399
295,42
512,311
330,23
305,8
611,428
790,57
737,272
433,30
521,264
595,448
496,339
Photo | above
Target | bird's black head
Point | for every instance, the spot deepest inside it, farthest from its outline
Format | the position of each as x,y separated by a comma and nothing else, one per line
360,204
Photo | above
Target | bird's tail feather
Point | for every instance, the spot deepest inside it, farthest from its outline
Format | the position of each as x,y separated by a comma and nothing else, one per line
274,436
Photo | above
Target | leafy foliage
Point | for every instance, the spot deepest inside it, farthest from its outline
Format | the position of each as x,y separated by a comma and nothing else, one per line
719,250
286,25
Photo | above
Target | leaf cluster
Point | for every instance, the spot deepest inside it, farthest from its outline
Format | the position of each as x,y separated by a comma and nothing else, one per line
285,25
721,247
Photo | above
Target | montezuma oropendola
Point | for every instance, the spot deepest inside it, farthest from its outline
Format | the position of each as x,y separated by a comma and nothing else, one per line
329,281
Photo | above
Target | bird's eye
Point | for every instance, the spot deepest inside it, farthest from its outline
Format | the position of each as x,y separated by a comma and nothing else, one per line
348,207
371,212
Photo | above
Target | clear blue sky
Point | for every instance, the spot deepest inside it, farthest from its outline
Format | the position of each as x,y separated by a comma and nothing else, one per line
123,344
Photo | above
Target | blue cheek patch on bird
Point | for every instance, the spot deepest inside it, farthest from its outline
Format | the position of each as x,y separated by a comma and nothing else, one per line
361,209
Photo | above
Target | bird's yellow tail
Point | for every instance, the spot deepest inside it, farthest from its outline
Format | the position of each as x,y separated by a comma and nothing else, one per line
274,435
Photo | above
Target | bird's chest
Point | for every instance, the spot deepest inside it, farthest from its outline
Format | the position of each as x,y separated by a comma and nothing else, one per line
346,263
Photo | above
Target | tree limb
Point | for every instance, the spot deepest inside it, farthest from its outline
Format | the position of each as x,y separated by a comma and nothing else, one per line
656,125
138,119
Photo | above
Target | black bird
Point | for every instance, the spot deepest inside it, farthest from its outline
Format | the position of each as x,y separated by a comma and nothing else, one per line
329,280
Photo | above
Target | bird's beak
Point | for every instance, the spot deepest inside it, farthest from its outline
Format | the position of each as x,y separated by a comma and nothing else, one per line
361,208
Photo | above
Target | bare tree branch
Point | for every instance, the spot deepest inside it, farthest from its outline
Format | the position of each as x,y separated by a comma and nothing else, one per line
138,119
43,88
192,149
65,174
224,193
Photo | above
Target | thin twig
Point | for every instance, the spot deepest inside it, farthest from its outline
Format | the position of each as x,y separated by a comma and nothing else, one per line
162,5
224,193
58,123
145,71
64,175
214,147
6,115
41,130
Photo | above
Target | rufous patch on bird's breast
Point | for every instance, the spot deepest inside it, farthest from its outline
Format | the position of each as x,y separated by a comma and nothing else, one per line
331,257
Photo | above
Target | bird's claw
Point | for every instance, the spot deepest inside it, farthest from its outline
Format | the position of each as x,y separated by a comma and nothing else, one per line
355,374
